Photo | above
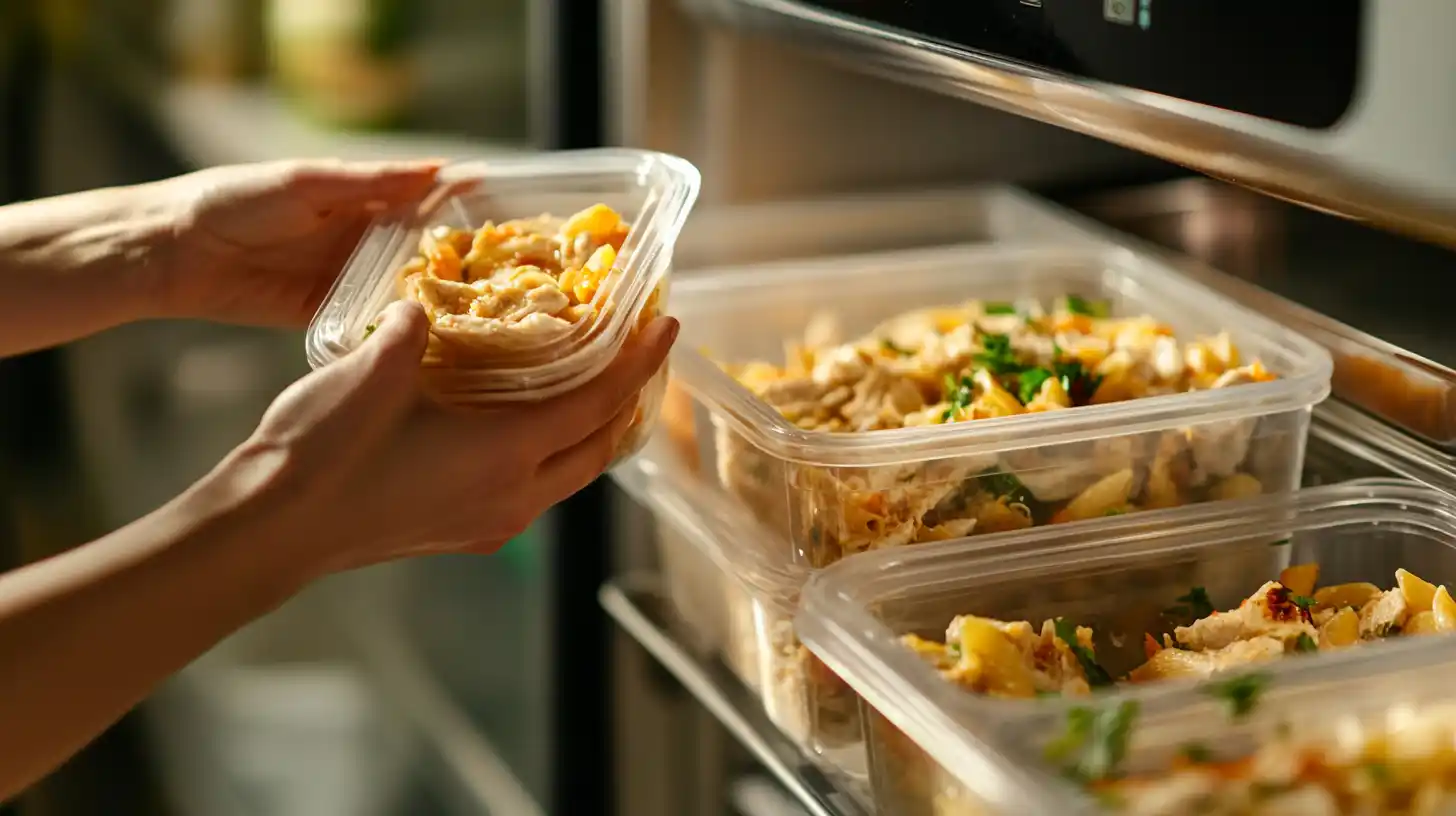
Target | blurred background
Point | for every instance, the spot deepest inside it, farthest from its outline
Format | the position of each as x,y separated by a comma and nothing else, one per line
500,686
291,717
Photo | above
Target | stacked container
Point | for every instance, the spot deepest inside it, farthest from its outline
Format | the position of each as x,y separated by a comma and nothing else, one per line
794,495
653,192
938,749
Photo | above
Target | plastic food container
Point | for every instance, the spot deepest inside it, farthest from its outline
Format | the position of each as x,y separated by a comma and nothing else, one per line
935,748
811,489
828,492
654,192
729,595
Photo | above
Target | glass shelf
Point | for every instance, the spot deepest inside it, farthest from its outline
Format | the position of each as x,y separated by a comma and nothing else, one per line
638,605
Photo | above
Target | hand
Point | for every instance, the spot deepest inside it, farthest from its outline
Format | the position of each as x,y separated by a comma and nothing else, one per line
359,467
262,244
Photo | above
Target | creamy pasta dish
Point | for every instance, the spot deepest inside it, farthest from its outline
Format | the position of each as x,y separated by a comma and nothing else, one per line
1290,615
977,361
517,284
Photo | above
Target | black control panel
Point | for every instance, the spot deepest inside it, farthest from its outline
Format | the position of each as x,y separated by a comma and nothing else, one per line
1292,61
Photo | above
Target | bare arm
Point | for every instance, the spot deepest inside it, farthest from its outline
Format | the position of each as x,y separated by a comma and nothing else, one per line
351,466
74,265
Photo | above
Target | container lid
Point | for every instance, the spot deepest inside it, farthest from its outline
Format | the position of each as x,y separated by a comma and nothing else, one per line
954,274
983,741
1372,440
654,192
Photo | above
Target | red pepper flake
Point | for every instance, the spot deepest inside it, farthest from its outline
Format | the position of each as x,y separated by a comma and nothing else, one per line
1283,608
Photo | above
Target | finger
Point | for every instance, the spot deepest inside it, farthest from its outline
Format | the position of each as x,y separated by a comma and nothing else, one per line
568,471
331,184
579,413
371,388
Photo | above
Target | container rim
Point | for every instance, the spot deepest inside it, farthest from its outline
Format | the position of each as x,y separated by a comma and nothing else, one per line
959,729
648,249
1307,384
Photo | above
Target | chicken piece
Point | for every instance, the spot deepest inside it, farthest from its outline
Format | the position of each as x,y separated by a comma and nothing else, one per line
1384,615
1266,613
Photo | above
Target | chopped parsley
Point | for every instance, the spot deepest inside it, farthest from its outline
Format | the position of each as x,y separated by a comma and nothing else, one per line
1000,309
1001,484
370,329
960,395
1095,741
1241,693
1305,643
1079,383
889,345
1196,752
1303,602
997,355
1088,308
1067,633
953,649
1195,605
1030,381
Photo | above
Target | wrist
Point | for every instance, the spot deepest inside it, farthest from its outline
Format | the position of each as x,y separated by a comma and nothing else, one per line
249,503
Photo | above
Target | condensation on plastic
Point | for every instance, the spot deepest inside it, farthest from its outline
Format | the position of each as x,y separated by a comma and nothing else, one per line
653,191
934,748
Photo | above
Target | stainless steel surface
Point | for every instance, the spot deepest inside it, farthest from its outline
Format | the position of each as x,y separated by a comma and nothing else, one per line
1377,301
765,120
640,609
1369,167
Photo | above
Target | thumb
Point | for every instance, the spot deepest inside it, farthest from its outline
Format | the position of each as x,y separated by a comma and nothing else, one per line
397,339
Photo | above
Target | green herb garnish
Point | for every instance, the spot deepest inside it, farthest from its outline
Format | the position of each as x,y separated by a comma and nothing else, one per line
1089,308
1305,643
1303,602
1002,484
1113,511
997,355
1095,741
1000,309
1196,752
369,329
1067,633
1240,693
1195,604
889,345
1030,381
959,395
1079,383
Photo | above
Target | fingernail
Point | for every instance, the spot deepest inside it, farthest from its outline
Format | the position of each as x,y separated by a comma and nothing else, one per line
673,327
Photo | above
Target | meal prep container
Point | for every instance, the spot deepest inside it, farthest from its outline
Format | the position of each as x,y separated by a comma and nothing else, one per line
934,748
653,191
827,492
808,489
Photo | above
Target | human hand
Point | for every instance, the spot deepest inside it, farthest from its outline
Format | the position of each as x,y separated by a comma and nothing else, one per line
357,466
261,244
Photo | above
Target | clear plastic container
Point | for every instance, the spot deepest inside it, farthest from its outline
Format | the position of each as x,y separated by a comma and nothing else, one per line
834,494
934,748
803,488
654,192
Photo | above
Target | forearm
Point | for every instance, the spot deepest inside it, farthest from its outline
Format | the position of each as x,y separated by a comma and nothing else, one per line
86,635
74,265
